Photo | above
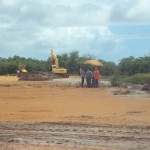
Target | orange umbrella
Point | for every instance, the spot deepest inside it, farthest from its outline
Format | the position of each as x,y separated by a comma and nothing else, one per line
93,63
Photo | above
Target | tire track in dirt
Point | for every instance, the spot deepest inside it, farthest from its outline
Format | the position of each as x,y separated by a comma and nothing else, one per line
73,135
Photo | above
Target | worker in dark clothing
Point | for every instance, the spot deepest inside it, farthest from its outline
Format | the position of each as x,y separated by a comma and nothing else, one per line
82,74
89,76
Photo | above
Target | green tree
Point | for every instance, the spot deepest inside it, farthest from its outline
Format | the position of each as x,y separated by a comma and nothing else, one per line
126,66
73,62
64,60
109,68
131,66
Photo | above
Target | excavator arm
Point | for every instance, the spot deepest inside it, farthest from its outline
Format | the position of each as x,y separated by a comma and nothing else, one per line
55,69
54,59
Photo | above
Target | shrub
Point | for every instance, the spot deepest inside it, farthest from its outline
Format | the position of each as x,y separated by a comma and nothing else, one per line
143,78
115,80
138,79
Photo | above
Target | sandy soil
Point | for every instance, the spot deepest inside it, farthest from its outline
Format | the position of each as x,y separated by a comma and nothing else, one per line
55,115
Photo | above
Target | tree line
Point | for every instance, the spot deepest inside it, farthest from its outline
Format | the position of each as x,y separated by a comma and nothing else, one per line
73,62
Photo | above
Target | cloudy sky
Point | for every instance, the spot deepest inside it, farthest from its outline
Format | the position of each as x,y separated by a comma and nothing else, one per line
107,29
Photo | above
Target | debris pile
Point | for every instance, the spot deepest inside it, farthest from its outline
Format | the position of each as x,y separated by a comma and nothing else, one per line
34,76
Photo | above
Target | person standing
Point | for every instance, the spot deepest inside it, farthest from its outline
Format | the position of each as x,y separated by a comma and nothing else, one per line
82,74
92,80
96,77
89,76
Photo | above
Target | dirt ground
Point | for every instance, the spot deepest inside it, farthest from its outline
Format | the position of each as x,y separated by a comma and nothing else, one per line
60,115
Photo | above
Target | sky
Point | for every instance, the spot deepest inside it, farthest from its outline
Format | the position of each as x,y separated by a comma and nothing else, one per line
106,29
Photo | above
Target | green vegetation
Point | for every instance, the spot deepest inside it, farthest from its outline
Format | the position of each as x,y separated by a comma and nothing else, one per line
11,65
133,70
143,78
70,61
131,65
116,79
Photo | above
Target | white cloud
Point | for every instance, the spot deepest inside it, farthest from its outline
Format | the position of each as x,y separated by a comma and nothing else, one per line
8,2
65,25
130,12
140,12
75,12
85,39
72,36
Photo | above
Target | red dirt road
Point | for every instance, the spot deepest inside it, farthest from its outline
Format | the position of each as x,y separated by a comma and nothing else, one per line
24,102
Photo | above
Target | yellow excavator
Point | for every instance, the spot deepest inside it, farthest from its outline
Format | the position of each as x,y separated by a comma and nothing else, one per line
55,69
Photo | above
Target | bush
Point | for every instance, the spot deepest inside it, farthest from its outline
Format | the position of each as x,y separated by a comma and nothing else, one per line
138,79
115,80
143,78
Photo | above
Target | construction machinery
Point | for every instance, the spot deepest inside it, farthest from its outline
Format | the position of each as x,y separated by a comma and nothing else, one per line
23,74
54,72
54,66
